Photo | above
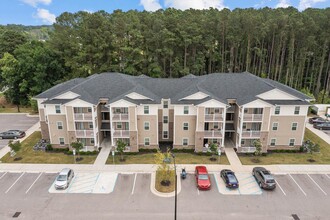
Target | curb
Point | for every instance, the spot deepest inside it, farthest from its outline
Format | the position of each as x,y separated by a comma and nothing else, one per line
160,194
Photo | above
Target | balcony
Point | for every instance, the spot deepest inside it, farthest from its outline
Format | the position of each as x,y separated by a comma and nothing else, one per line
247,149
252,117
83,117
252,134
121,134
85,133
212,134
213,117
120,117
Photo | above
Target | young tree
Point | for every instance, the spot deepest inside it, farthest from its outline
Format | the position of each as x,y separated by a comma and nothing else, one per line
213,149
120,148
77,146
14,146
164,169
258,146
312,148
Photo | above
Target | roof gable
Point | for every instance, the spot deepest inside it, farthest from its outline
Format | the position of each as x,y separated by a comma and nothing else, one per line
195,96
276,94
66,95
137,96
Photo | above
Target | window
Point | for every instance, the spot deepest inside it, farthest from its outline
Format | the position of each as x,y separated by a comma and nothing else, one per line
185,126
58,109
89,109
165,134
216,126
246,110
90,125
59,125
296,110
146,126
146,141
92,141
117,110
244,125
61,141
272,142
294,126
165,119
119,125
186,110
242,142
165,104
277,110
146,110
185,141
257,111
291,142
216,110
275,126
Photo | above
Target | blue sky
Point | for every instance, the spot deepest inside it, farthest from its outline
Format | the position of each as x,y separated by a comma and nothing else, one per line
38,12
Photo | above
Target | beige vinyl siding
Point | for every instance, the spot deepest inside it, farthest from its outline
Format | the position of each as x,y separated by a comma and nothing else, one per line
151,133
180,133
54,132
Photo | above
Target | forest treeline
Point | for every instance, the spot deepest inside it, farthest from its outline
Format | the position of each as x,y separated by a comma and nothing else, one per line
282,44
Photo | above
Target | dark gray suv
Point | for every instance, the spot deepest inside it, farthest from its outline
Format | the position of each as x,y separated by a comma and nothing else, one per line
264,178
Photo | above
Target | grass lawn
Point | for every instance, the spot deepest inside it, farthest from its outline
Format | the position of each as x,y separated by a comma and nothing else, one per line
30,156
180,158
8,108
165,189
295,158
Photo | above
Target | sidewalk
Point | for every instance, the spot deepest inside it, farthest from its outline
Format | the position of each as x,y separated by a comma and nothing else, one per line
104,153
233,159
319,133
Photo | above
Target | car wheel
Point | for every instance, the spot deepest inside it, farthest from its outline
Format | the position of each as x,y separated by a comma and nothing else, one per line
260,185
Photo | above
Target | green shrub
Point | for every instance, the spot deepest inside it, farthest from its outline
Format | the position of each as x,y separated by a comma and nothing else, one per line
146,150
183,150
49,147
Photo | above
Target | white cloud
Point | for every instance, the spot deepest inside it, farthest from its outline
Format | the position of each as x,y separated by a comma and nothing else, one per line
150,5
196,4
45,16
34,3
303,4
283,4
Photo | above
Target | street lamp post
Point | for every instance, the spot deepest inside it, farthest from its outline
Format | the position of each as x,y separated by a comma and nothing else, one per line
176,183
113,156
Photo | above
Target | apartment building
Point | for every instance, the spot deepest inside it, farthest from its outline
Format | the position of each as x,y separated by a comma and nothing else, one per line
230,109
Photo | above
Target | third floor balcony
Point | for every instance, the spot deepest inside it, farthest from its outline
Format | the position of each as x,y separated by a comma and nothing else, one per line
83,116
120,117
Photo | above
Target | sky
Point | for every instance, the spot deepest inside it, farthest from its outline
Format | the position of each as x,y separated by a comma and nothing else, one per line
44,12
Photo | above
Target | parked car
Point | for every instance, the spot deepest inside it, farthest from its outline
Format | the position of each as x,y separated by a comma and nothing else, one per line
264,178
323,126
316,120
229,178
64,178
12,134
202,178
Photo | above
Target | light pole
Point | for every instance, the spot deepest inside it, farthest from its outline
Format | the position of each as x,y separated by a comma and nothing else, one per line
113,156
176,181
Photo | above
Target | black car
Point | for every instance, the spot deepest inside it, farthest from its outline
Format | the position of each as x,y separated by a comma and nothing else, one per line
12,134
264,178
229,178
323,126
316,120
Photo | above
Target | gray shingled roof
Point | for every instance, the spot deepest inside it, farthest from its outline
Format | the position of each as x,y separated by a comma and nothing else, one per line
244,87
287,102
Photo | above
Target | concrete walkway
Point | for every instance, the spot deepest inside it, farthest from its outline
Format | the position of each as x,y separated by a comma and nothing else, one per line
104,153
233,159
6,149
319,133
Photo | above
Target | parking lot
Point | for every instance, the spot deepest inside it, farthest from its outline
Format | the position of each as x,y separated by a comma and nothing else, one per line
15,122
306,195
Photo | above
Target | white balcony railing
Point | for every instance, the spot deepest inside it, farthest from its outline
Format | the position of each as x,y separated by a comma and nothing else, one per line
120,117
213,117
254,134
213,134
85,133
247,149
252,117
121,133
83,116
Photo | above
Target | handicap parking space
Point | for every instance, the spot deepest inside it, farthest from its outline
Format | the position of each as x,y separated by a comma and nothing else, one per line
99,183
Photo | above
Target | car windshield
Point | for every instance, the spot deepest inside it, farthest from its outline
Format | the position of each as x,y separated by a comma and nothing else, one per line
270,181
232,178
203,177
61,178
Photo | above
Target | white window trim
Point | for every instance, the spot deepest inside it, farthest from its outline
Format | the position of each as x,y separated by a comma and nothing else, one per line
145,141
93,141
144,110
294,112
121,126
184,110
59,109
59,122
164,104
292,126
167,135
294,142
89,126
164,119
270,143
184,126
144,125
183,141
59,139
278,124
279,112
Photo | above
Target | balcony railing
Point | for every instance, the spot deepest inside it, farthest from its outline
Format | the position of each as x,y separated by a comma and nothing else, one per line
247,149
85,133
213,134
120,117
250,133
121,133
252,117
213,117
83,116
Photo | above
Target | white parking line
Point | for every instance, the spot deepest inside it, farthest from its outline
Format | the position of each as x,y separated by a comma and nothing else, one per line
134,184
33,183
317,184
14,182
3,175
298,185
280,188
324,174
197,191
